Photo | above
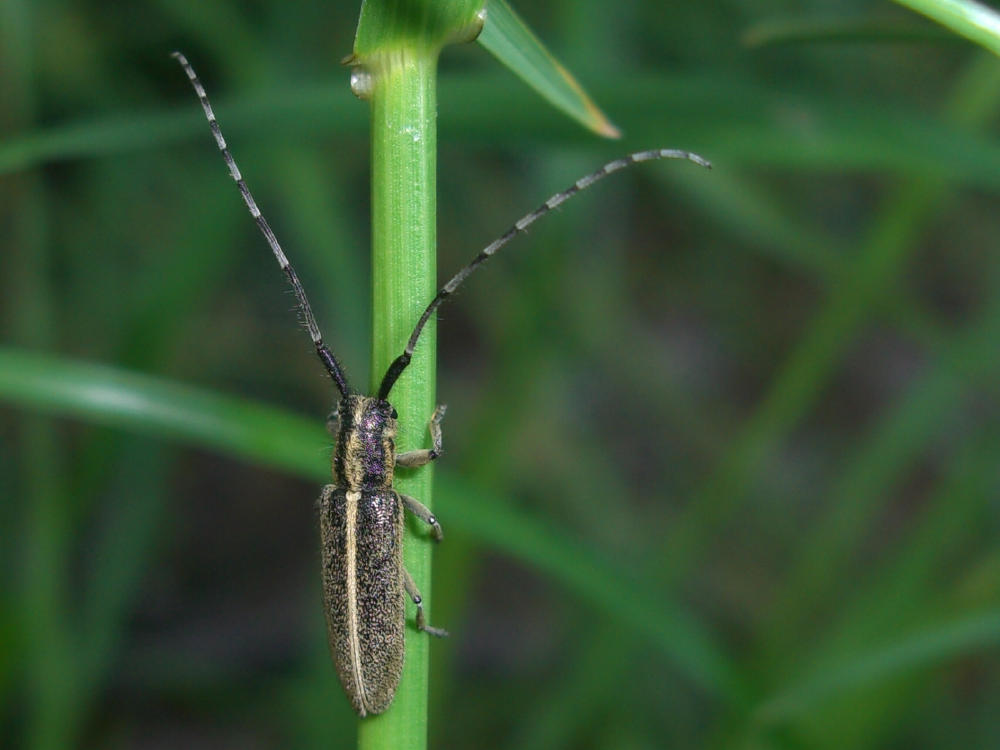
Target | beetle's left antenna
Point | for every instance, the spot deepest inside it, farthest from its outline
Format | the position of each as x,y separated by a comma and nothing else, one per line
329,361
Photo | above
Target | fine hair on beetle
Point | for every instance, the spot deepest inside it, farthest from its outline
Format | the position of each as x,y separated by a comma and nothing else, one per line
361,514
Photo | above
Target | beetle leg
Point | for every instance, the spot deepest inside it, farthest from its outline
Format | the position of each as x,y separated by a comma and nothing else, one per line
424,456
411,589
422,512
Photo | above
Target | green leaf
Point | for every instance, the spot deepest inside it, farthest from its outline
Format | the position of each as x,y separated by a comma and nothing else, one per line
262,434
974,21
509,40
738,122
801,28
610,589
153,406
932,646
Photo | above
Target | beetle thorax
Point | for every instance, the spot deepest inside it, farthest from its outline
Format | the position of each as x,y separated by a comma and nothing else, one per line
365,454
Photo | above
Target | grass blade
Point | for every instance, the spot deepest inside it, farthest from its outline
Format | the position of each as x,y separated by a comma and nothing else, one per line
976,22
945,641
261,434
511,42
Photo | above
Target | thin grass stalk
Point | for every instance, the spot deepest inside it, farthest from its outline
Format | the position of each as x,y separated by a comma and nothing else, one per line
404,142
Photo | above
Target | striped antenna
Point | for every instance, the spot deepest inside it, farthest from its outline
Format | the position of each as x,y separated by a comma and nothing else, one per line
325,355
520,226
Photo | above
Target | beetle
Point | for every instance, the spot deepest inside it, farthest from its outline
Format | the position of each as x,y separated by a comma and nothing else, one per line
361,514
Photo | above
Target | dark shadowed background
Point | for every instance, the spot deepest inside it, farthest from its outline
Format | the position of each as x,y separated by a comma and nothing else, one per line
722,450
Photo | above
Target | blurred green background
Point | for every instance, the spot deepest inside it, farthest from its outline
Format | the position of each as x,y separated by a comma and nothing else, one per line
722,453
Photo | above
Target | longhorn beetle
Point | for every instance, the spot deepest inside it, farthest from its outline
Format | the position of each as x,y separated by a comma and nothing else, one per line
361,514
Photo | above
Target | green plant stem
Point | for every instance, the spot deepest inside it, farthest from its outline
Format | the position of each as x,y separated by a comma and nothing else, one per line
404,142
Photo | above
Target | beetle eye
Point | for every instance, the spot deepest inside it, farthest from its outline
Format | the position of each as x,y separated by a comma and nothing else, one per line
394,414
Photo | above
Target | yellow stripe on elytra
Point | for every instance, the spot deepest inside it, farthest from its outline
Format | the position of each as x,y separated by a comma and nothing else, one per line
353,636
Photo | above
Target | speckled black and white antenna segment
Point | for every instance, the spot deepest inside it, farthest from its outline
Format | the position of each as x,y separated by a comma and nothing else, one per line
519,226
331,363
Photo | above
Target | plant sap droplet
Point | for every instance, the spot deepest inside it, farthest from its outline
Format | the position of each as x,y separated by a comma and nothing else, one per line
471,32
362,82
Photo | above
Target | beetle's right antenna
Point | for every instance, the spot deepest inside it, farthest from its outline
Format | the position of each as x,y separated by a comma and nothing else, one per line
400,363
329,361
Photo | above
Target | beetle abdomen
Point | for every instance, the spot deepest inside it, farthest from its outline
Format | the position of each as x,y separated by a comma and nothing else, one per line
361,535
